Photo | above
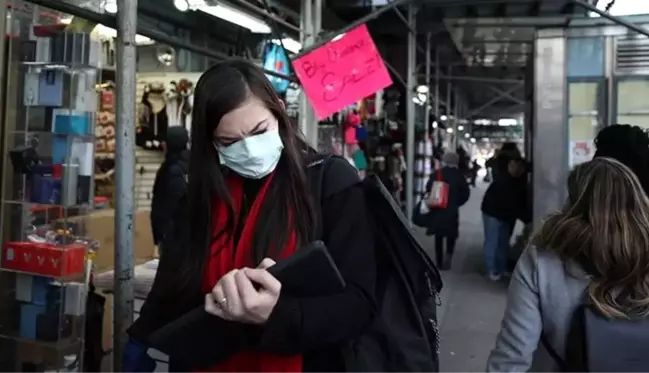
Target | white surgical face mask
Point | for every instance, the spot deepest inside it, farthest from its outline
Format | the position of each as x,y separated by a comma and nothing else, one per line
255,156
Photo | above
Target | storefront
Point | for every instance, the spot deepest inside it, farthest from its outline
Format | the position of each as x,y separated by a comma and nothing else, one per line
58,175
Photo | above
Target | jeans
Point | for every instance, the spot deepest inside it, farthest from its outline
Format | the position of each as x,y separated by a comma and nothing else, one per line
496,244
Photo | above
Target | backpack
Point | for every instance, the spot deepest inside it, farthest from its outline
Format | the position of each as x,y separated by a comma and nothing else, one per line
597,344
404,336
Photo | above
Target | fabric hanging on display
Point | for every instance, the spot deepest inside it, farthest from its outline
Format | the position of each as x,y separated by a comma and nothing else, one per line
275,59
360,161
361,133
155,119
350,135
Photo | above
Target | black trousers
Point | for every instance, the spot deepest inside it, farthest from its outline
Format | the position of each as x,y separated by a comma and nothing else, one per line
439,247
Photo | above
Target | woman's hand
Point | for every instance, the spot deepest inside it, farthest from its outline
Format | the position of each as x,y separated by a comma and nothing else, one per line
234,298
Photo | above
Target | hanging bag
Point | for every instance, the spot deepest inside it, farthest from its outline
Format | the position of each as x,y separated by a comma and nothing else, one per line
438,197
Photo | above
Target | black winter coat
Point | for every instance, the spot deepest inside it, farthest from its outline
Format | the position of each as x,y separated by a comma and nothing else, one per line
316,327
507,198
445,222
169,188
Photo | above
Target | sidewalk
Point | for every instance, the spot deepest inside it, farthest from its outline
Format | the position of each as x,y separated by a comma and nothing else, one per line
472,307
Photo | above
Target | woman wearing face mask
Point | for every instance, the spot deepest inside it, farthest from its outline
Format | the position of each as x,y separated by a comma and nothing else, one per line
249,205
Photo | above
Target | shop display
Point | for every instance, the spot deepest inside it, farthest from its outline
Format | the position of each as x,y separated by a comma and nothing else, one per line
44,265
105,143
152,129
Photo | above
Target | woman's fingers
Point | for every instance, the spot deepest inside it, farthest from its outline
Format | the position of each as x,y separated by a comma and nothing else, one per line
212,307
231,295
249,296
265,279
266,263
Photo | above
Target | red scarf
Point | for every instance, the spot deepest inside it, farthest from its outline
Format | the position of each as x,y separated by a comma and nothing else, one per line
225,257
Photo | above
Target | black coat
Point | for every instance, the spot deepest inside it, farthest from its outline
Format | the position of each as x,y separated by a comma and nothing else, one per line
169,188
507,198
315,327
445,222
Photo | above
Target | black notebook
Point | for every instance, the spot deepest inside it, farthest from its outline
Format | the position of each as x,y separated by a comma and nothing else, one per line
203,340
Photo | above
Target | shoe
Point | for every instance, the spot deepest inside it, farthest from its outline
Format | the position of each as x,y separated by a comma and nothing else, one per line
494,277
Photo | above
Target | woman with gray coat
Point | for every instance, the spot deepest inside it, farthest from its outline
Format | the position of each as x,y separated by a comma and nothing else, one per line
596,251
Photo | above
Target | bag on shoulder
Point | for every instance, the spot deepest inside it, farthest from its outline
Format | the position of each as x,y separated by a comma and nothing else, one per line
596,343
404,336
438,196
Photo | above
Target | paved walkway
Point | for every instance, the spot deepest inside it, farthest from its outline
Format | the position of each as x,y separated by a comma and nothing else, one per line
472,307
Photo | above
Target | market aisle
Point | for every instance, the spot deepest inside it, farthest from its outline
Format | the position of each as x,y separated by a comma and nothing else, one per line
472,308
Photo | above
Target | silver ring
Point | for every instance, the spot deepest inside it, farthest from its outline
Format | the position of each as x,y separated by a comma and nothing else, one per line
223,301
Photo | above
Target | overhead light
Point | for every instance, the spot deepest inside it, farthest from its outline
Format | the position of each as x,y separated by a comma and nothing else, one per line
237,17
466,135
110,6
443,117
472,140
422,89
181,5
460,128
434,124
449,130
290,44
422,97
107,32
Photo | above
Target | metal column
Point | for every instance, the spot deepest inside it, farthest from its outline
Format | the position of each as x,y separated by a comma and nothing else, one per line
437,76
125,176
448,111
428,94
312,134
306,36
410,112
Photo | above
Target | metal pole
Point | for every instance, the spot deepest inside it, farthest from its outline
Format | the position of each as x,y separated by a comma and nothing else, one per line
410,113
449,89
456,118
305,38
8,139
375,14
316,29
620,21
478,79
437,75
125,176
429,95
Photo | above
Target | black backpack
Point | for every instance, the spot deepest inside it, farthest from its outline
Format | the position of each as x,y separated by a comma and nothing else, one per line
404,337
597,344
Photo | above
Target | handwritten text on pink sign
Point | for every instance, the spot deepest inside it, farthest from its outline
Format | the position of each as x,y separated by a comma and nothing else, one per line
342,72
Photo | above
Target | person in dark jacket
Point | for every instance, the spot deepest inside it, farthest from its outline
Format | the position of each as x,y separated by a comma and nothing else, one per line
505,201
170,184
444,223
250,204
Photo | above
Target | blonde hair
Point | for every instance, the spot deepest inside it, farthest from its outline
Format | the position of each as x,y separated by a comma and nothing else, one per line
604,227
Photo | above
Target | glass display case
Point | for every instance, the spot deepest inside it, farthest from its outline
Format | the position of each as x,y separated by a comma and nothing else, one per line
48,190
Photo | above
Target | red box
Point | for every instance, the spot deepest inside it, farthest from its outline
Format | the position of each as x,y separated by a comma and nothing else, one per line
44,258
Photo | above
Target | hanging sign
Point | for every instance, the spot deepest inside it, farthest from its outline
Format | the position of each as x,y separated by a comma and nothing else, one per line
342,72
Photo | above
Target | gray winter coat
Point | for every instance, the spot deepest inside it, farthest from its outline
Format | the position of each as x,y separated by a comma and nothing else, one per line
543,295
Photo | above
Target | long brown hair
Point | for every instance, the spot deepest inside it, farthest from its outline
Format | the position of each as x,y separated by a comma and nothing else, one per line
604,227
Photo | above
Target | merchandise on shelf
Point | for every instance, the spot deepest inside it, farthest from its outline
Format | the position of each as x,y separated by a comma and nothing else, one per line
105,142
44,257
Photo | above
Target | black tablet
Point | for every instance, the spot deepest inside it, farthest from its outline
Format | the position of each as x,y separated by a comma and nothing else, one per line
199,338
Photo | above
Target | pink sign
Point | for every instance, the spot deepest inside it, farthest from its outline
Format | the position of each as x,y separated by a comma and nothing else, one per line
342,72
